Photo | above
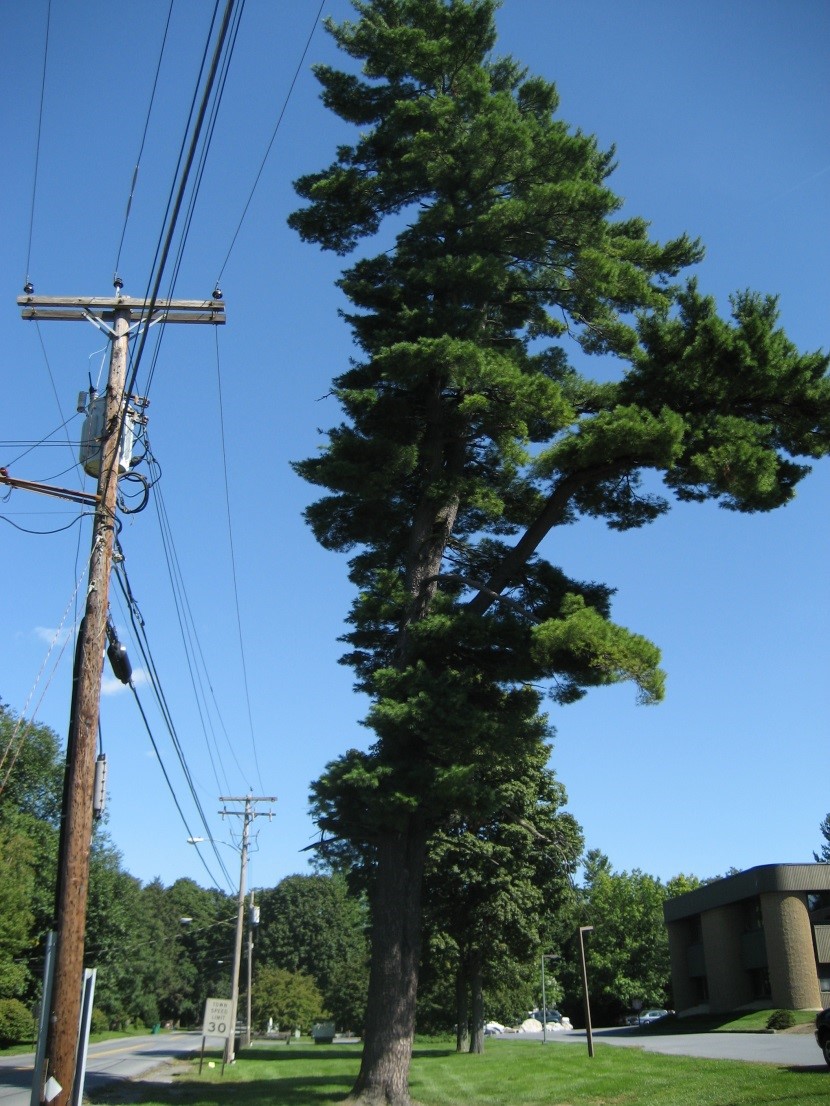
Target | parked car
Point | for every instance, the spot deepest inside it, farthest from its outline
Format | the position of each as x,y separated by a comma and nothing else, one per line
823,1033
553,1015
648,1017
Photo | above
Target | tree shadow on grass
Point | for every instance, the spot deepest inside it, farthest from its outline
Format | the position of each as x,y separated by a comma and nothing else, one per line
292,1091
280,1053
287,1090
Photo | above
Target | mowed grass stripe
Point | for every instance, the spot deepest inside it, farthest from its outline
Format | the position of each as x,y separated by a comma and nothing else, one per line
507,1074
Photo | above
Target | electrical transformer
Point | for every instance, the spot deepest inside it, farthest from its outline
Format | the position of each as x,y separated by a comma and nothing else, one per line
92,434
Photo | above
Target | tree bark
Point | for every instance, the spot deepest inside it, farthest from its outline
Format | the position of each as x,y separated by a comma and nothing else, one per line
462,1011
383,1079
477,988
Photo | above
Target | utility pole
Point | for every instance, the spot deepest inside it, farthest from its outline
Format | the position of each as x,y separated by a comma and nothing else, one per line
253,922
117,317
247,815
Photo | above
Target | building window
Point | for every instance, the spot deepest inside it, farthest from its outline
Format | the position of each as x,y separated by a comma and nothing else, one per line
760,984
752,917
824,977
818,906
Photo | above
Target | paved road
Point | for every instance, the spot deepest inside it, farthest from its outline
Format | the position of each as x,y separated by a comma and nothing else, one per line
108,1062
788,1049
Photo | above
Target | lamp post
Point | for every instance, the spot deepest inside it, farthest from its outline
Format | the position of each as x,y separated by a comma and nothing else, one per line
582,931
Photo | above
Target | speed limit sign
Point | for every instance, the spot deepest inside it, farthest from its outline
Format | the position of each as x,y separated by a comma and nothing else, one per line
217,1022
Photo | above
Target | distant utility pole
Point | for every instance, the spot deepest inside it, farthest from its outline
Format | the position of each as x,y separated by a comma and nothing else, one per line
253,922
117,317
247,815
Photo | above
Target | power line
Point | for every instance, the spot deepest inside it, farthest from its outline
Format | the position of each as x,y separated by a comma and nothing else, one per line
190,636
27,281
51,531
163,253
172,791
271,142
27,725
143,645
233,569
208,139
143,136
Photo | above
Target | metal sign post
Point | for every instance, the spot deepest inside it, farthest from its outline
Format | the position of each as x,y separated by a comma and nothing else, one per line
216,1023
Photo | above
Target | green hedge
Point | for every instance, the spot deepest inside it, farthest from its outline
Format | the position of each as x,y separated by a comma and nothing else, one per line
17,1026
781,1019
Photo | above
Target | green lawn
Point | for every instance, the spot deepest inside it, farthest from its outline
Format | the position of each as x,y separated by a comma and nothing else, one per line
508,1074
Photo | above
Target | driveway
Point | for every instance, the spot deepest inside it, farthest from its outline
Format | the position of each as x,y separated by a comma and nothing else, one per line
796,1050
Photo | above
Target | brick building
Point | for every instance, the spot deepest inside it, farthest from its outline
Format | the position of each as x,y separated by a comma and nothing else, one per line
760,938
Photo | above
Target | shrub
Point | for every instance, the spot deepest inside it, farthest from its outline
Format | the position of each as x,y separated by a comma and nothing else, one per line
781,1019
99,1023
17,1026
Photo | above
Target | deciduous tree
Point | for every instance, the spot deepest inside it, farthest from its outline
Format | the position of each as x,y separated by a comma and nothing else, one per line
311,924
490,885
291,999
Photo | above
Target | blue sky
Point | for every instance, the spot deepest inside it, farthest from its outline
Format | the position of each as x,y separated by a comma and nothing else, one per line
719,114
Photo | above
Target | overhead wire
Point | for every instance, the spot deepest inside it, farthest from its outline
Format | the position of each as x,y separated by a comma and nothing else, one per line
172,791
47,533
21,718
195,188
143,645
231,28
143,136
234,576
162,252
44,442
189,216
187,629
193,648
271,142
211,118
165,244
182,174
27,281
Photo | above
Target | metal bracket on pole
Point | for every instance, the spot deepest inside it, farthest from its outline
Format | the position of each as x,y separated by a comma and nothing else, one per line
77,1096
43,1021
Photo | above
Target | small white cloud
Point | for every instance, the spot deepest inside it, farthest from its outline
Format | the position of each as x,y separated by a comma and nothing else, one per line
52,635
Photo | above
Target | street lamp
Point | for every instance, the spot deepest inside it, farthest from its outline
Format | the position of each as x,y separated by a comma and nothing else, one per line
582,931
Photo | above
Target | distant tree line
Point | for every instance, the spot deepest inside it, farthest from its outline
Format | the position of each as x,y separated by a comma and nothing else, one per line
159,951
499,893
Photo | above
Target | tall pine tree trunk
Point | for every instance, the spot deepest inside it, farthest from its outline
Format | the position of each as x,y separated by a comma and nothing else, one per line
393,982
462,1011
476,986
